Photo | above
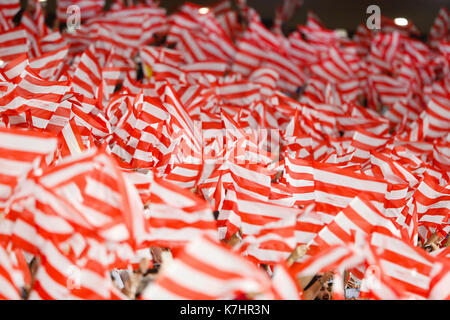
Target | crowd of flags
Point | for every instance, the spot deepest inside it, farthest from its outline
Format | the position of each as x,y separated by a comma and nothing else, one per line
145,129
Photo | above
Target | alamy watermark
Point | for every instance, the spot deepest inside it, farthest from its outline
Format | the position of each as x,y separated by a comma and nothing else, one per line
73,21
373,22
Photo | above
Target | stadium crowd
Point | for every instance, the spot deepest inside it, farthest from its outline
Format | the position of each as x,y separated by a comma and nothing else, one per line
203,154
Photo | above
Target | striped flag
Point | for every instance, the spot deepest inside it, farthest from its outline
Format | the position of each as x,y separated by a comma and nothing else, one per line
219,273
70,140
9,289
274,241
20,151
176,215
13,43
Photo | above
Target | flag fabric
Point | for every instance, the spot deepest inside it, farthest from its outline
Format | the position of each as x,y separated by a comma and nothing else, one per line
176,216
21,152
220,274
13,42
10,289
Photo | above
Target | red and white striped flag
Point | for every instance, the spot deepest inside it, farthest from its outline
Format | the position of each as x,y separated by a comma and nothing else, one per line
87,77
384,49
107,200
13,43
176,215
405,264
336,257
274,241
12,71
70,140
440,28
432,201
9,8
20,151
60,277
49,65
361,216
219,273
440,283
38,97
334,68
285,284
9,289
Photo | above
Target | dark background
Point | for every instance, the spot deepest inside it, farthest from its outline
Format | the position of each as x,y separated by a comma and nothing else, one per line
346,14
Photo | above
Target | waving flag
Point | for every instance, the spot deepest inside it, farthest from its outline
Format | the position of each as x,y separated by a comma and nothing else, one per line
20,152
9,8
143,130
13,43
9,289
176,216
219,273
361,216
